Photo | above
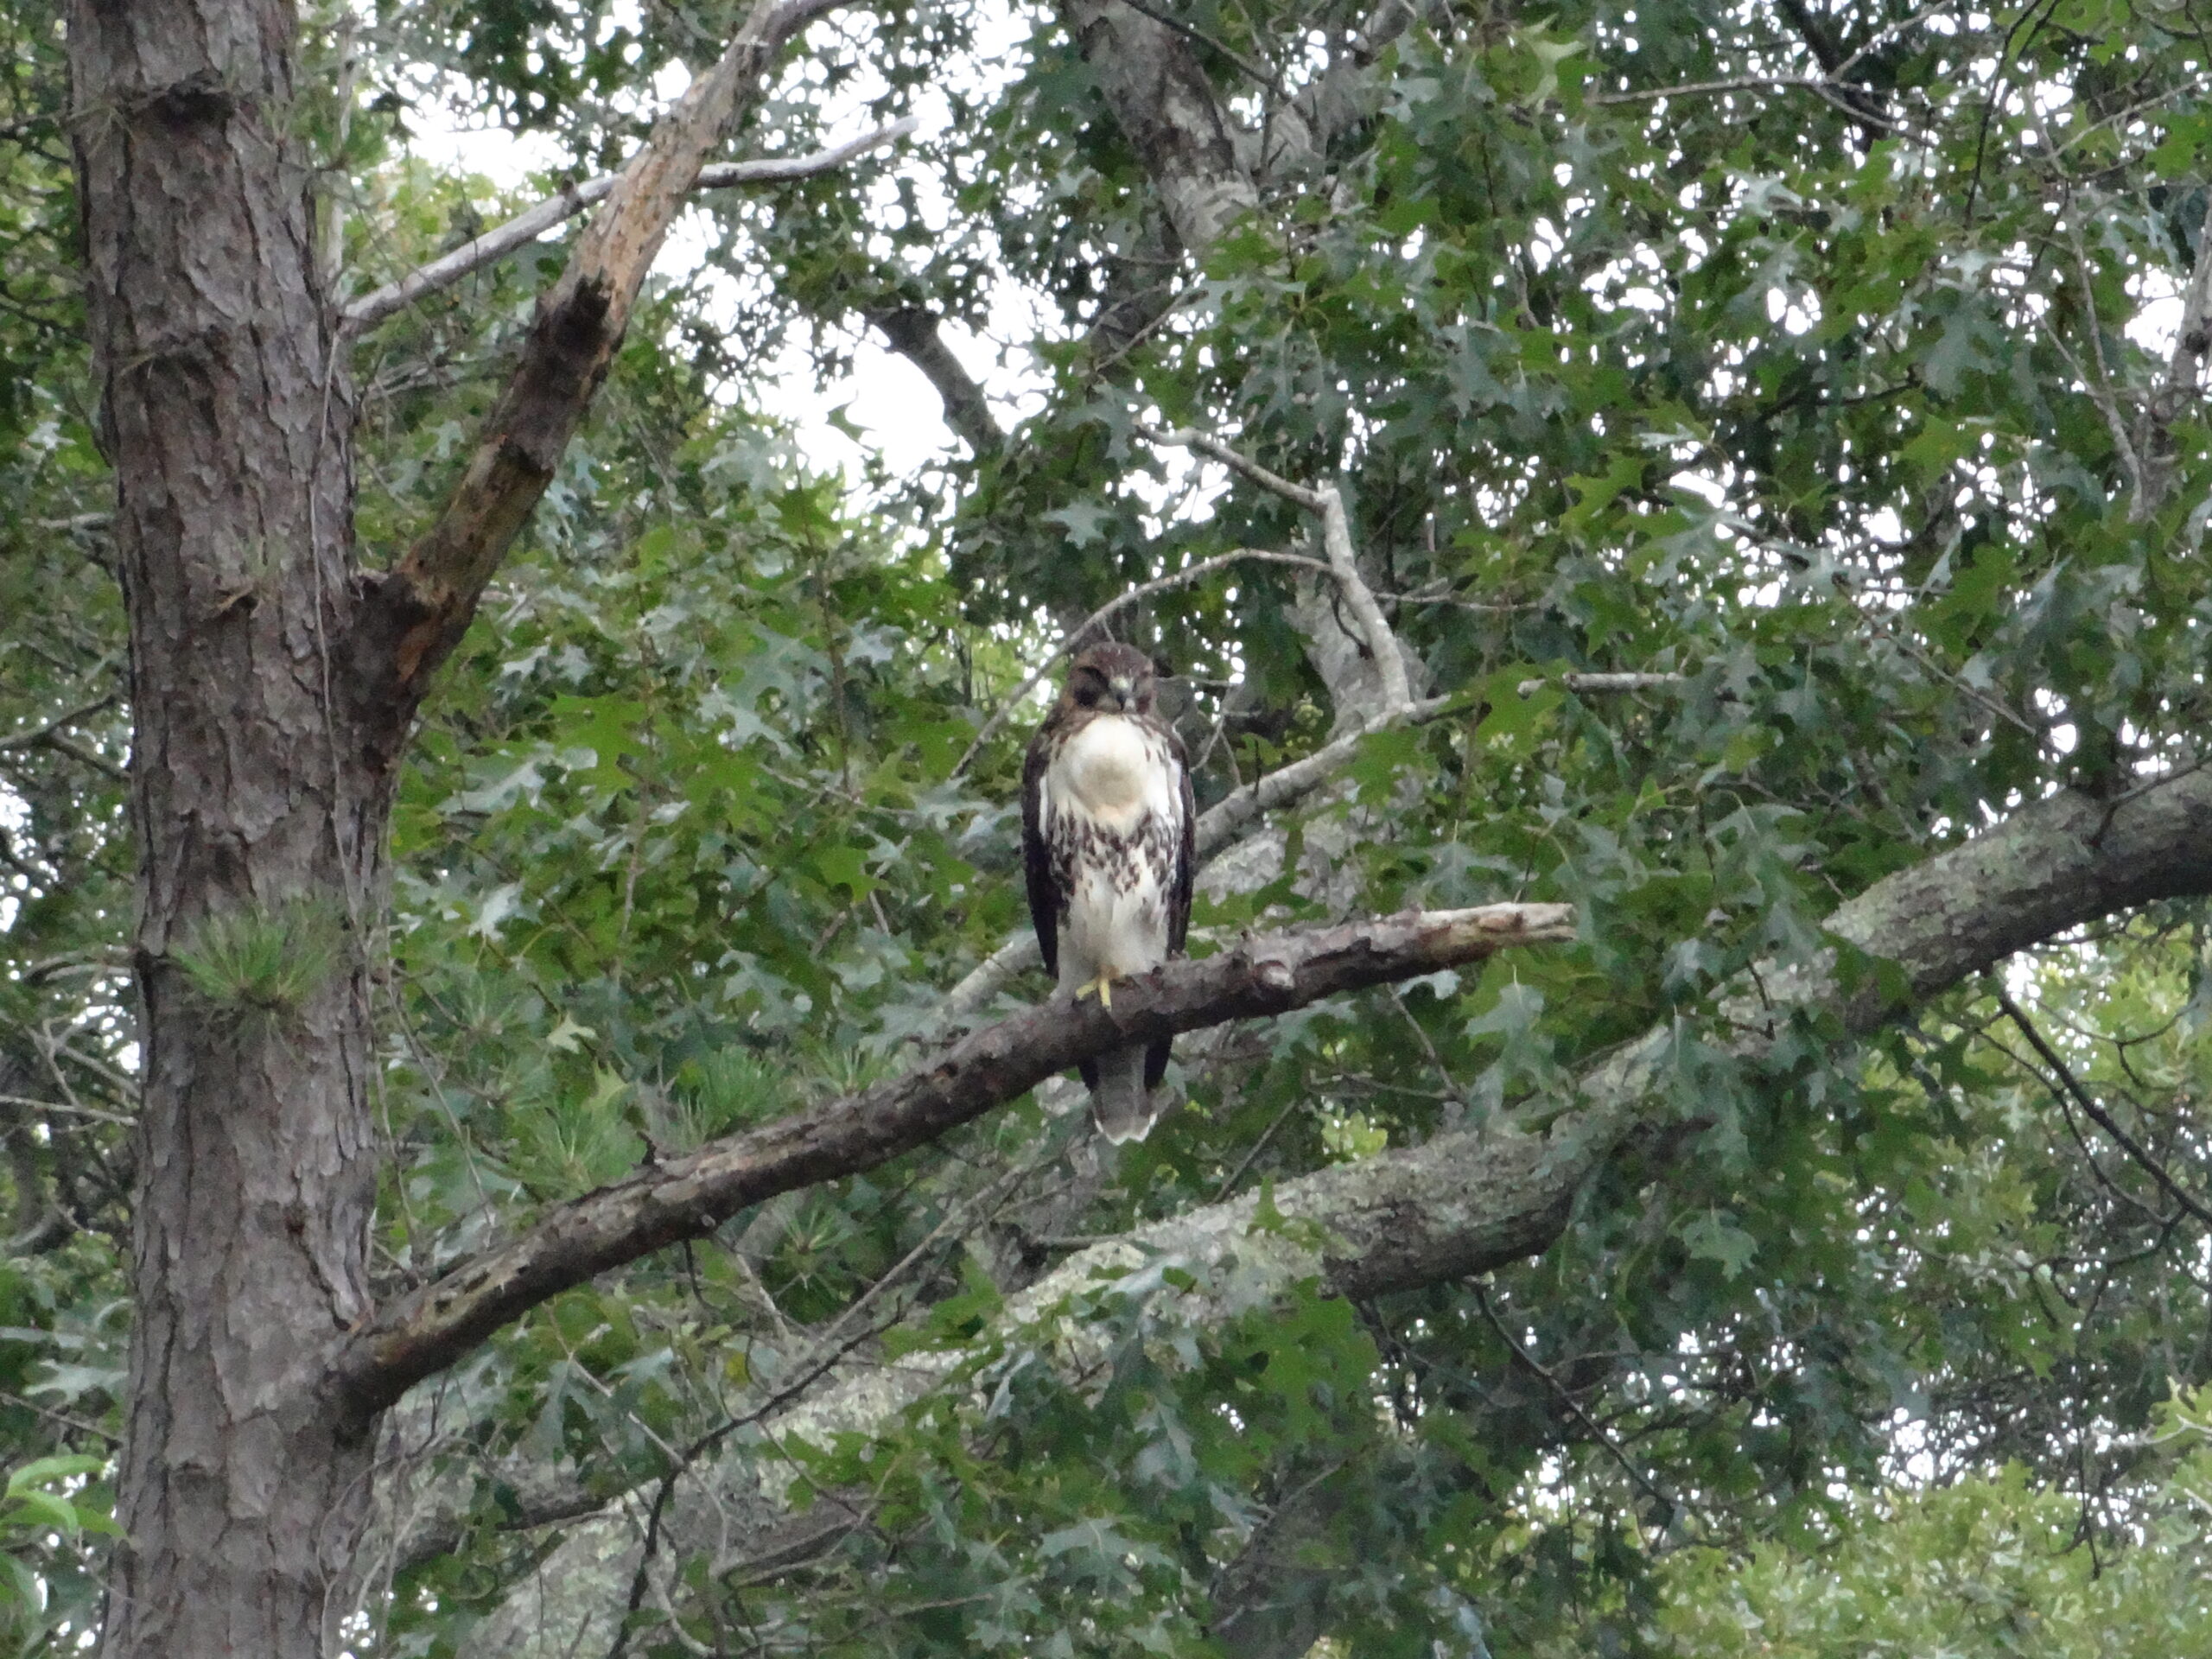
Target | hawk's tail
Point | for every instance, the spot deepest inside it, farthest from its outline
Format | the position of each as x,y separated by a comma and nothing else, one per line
1122,1102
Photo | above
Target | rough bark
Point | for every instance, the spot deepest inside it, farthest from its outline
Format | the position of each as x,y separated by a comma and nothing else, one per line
229,432
273,689
1165,107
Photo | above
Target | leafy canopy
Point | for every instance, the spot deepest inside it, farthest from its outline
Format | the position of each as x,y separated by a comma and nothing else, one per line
1635,345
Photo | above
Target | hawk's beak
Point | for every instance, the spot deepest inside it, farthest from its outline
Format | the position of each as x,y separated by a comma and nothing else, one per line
1124,689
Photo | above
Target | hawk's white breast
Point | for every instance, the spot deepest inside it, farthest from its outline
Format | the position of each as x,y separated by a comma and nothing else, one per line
1114,769
1113,808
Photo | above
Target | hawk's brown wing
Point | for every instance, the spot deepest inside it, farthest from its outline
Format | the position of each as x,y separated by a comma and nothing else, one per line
1179,885
1036,857
1186,850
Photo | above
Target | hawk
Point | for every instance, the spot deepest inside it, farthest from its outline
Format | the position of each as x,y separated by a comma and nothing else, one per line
1106,836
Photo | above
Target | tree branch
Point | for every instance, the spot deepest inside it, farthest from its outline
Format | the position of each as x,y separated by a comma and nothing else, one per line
417,612
2138,1153
912,331
1668,1505
44,734
1264,78
2193,338
2182,384
1328,504
1836,94
1480,1199
526,227
1167,108
1604,681
1269,974
1831,56
54,742
1299,132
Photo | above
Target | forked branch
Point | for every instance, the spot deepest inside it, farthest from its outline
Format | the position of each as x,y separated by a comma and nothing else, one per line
1326,503
688,1198
422,605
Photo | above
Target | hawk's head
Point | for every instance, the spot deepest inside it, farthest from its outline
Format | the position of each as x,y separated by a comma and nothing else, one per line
1110,679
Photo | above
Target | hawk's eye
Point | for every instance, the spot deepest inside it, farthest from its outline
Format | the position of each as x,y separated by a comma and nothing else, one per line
1086,691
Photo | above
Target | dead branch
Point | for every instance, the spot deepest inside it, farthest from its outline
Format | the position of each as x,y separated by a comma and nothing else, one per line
1602,682
527,226
415,613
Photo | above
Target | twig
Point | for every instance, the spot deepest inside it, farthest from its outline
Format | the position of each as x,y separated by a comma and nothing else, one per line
2104,1120
1713,88
1574,1407
1829,91
2148,1211
1220,822
527,226
1436,1060
2105,399
1882,37
39,735
1257,1148
818,1364
69,1109
77,751
1245,66
2098,389
76,1424
1440,592
1077,635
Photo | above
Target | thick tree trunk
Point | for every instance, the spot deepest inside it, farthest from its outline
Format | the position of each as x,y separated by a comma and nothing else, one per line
260,817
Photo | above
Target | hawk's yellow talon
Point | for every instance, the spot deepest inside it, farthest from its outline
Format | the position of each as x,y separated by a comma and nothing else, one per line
1102,987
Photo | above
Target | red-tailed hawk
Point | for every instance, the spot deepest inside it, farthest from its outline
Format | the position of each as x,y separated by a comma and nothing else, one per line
1106,834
